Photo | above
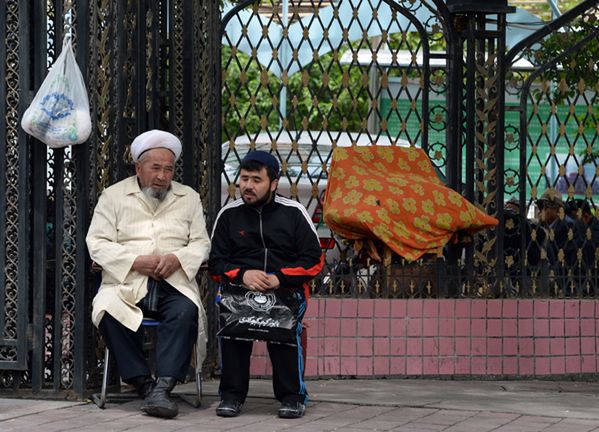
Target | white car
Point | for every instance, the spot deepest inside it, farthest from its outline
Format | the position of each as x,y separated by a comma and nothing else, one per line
304,156
305,159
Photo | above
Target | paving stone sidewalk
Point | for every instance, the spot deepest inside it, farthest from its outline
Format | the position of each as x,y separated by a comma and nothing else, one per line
343,405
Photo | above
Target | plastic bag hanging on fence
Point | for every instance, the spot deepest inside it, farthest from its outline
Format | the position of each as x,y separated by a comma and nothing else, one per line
59,113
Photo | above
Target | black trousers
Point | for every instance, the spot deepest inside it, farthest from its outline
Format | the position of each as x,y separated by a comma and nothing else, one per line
287,370
176,336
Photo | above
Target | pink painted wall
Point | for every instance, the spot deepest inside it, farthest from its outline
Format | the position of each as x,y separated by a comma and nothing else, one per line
445,337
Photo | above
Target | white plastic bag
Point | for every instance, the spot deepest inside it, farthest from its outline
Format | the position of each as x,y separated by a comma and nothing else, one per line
59,113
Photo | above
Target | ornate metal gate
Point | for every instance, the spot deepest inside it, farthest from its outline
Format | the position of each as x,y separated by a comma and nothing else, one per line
302,77
147,65
297,77
552,130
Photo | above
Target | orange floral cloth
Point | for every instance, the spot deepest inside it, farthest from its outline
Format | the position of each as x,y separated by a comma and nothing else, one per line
393,194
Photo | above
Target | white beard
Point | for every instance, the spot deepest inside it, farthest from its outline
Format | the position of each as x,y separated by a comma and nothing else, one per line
155,196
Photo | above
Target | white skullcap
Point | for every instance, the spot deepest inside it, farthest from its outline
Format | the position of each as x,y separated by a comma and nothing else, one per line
155,139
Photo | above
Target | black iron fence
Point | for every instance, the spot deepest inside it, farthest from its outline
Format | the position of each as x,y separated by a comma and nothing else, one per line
297,78
301,78
147,64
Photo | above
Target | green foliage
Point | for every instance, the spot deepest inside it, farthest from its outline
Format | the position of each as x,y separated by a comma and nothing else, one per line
253,94
578,65
566,5
324,95
577,72
247,98
341,104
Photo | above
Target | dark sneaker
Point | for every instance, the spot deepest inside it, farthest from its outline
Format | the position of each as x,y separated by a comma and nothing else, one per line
292,410
228,408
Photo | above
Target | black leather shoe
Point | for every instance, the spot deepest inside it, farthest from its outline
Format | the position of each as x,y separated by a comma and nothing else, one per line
228,408
292,410
158,402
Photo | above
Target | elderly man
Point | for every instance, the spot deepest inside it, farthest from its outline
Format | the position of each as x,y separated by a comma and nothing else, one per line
149,236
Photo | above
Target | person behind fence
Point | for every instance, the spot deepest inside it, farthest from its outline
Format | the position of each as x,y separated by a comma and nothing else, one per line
586,228
149,236
517,229
561,241
264,242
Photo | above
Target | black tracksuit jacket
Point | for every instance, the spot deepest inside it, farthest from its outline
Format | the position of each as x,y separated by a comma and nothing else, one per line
278,238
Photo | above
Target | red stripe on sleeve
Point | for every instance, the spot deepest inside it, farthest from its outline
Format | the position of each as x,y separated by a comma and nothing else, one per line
300,271
232,274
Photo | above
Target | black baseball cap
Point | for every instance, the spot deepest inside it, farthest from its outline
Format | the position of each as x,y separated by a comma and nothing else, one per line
264,158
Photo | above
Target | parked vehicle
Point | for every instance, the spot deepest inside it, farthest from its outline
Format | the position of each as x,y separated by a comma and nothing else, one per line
305,161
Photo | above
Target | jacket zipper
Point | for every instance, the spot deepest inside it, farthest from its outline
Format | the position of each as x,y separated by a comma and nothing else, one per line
262,238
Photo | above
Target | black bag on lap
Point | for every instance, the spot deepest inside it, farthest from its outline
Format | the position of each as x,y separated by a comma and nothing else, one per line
252,315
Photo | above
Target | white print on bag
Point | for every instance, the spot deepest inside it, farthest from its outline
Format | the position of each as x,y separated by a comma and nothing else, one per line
260,302
260,322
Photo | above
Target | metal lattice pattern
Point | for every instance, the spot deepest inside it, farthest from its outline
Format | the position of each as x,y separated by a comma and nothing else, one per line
150,53
67,273
202,64
555,140
177,44
130,111
326,73
52,160
11,197
104,21
301,78
207,31
483,162
127,53
65,290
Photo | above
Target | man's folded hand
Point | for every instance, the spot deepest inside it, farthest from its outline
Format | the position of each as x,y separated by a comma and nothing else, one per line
167,265
146,264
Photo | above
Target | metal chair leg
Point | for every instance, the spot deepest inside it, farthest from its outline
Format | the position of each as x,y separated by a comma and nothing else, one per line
196,401
100,400
198,377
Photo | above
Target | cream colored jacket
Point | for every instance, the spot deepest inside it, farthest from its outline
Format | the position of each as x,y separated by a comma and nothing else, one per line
126,225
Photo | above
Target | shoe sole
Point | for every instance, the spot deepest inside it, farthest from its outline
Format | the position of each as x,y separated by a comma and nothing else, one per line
289,415
227,413
160,412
